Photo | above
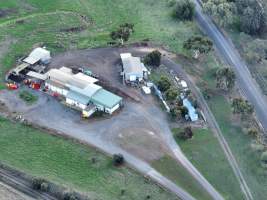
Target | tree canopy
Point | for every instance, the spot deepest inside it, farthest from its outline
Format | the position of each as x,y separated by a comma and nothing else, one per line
184,10
223,11
123,33
153,58
225,78
164,84
241,106
198,43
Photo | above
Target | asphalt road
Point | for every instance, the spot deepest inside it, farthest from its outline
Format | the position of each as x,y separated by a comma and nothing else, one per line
245,81
225,47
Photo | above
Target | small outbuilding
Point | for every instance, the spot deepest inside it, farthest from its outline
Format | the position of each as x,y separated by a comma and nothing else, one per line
133,69
38,55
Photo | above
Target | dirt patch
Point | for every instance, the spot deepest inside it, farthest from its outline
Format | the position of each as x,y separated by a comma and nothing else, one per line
7,11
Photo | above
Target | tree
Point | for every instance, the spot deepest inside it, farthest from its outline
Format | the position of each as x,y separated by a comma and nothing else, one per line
184,10
123,32
164,83
186,134
253,132
222,11
241,106
252,20
171,94
153,58
198,44
118,159
225,78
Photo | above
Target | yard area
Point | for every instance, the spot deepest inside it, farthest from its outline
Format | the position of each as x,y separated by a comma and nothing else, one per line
70,164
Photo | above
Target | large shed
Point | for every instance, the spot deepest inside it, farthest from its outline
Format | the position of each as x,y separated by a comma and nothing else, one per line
133,69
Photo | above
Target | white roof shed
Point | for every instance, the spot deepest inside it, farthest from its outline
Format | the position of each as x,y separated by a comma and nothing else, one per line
38,54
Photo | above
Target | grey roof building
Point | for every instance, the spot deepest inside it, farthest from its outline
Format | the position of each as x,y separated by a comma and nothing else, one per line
133,68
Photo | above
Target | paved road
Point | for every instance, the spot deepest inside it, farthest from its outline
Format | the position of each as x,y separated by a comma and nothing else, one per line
245,81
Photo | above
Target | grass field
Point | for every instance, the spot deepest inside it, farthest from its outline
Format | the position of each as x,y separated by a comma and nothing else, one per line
248,159
43,22
238,141
70,164
204,151
169,168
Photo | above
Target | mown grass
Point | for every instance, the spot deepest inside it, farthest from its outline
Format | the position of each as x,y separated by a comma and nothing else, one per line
171,169
204,151
70,164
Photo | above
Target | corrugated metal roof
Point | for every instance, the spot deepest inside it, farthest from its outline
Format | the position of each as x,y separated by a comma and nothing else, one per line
37,75
89,91
132,64
64,77
36,55
21,67
191,110
106,98
75,96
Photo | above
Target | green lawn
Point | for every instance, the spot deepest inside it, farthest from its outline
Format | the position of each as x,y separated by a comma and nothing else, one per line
171,169
204,151
70,164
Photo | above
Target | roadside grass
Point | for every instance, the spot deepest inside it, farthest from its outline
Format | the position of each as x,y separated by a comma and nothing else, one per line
175,172
43,24
70,164
239,142
204,151
28,97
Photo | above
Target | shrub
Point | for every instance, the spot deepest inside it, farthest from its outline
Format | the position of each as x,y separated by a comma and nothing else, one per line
171,94
118,159
70,196
164,84
186,134
39,184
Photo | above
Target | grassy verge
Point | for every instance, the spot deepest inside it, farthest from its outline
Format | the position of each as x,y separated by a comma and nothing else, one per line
204,151
28,97
70,164
171,169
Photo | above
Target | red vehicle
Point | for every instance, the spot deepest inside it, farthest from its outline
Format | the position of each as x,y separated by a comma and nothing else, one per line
12,86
